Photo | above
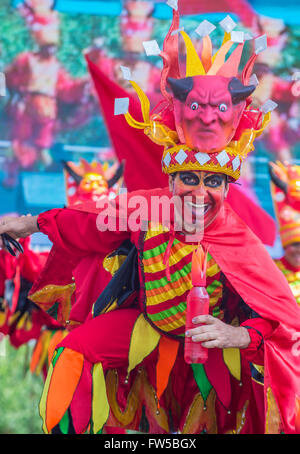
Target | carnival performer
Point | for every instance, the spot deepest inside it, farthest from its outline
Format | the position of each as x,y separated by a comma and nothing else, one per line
122,364
285,182
38,84
20,319
283,131
136,27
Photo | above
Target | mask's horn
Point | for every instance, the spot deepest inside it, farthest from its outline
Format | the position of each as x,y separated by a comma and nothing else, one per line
181,87
117,175
238,91
276,180
72,173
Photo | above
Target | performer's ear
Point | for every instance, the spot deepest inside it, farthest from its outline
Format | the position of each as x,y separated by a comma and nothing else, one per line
226,186
171,181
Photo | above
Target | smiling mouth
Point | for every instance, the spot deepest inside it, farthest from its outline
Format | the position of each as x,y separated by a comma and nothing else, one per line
199,206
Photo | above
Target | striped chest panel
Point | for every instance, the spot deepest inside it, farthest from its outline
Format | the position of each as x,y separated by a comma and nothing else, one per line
293,278
164,301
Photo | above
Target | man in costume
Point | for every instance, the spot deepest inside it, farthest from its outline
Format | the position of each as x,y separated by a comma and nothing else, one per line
20,318
122,365
285,182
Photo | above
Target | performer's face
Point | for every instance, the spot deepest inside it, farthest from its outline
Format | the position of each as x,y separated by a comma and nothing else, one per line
202,193
292,254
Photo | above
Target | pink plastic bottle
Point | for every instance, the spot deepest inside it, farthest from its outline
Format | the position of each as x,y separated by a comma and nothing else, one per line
197,304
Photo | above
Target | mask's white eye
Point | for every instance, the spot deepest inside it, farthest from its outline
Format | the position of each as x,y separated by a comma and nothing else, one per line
223,107
194,105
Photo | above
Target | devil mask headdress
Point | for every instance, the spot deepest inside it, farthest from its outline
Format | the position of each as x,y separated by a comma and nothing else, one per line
285,190
91,181
206,121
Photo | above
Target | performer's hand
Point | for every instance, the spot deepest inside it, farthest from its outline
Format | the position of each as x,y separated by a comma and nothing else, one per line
215,333
18,227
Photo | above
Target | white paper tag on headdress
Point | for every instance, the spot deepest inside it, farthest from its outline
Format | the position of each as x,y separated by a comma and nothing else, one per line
126,72
173,4
248,36
121,106
268,106
98,42
167,159
2,84
151,47
237,37
260,44
228,24
253,80
205,28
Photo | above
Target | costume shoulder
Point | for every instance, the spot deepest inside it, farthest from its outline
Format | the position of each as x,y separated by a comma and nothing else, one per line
250,269
96,207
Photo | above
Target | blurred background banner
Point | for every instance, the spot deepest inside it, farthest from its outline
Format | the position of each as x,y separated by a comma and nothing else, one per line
50,111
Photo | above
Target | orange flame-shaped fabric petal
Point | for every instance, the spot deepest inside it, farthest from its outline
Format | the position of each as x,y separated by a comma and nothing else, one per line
168,349
219,58
206,52
199,263
231,66
64,380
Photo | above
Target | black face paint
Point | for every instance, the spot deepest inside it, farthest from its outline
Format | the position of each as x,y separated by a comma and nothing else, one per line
211,181
214,181
189,178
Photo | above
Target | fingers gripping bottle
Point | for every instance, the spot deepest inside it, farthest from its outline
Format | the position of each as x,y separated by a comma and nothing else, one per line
197,304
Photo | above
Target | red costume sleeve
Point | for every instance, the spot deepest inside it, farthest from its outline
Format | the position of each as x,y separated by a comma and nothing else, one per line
76,232
258,329
18,72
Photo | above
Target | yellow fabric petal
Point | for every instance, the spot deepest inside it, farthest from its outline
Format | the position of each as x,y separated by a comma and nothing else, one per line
145,103
232,359
143,341
100,406
44,353
194,66
43,401
227,37
134,123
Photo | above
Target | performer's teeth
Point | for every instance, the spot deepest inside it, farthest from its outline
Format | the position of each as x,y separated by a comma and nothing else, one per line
199,206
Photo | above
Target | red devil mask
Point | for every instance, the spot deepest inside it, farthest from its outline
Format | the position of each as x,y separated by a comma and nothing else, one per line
208,110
